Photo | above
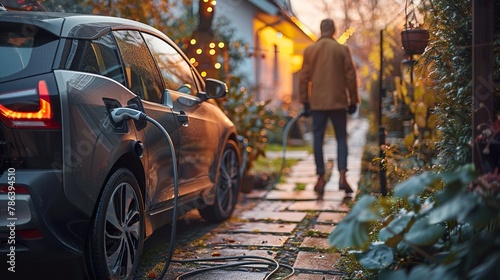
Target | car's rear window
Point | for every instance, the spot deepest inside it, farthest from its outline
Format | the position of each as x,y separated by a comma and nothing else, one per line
25,50
99,56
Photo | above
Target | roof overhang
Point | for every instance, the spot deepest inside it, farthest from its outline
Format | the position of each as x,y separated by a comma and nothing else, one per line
265,6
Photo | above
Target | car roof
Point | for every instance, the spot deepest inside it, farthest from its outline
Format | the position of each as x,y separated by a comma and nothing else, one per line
78,26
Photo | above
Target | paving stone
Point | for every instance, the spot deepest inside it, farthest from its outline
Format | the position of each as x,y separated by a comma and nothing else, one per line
337,195
232,252
255,194
244,239
344,208
317,205
276,216
272,206
320,276
301,173
294,195
327,217
315,242
288,154
293,187
323,228
301,179
262,227
316,261
306,163
285,186
218,274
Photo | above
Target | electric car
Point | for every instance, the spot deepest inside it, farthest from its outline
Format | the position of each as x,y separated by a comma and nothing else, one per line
75,183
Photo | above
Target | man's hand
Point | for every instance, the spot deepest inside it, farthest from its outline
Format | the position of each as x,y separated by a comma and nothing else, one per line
307,110
352,109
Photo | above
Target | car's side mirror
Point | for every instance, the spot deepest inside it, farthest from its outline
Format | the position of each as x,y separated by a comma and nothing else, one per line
215,88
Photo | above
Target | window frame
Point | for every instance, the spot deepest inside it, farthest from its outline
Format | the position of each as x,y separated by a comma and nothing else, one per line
198,82
155,72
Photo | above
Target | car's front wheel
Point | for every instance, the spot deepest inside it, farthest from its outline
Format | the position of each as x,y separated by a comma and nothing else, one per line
117,236
227,188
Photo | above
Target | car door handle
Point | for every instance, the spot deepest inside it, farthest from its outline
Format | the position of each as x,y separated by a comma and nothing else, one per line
182,118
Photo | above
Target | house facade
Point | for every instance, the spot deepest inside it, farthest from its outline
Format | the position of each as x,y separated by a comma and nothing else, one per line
276,40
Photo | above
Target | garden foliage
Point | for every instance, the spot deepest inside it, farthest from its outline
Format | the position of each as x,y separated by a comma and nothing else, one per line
449,58
437,226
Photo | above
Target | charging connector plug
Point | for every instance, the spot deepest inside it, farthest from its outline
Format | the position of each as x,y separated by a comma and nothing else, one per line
119,114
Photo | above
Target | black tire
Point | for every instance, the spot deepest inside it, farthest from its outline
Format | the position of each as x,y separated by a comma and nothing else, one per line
117,236
227,186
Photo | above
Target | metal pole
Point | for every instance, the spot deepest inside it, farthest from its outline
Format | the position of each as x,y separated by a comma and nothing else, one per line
482,74
381,128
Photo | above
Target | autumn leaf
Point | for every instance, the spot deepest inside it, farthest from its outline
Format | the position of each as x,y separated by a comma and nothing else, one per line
216,254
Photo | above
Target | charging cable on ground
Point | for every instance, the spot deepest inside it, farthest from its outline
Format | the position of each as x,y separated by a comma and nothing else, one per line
124,113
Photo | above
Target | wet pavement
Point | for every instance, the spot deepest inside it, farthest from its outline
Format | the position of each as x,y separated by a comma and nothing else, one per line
285,223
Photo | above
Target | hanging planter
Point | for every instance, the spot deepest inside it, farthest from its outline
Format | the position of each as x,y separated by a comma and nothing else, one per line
414,40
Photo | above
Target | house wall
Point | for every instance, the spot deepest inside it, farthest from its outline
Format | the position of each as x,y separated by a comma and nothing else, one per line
241,14
272,58
275,71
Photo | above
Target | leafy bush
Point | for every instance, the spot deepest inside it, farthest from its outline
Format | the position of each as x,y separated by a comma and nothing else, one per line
449,57
253,120
438,226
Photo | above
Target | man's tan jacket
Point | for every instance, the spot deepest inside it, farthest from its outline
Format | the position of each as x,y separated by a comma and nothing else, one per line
328,76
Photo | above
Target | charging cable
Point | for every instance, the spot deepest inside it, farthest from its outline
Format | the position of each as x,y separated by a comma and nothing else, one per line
285,138
284,145
125,113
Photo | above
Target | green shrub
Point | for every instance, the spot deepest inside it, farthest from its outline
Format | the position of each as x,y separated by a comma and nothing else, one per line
437,225
449,58
253,120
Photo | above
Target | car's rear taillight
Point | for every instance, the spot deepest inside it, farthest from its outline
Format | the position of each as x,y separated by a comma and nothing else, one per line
41,117
5,189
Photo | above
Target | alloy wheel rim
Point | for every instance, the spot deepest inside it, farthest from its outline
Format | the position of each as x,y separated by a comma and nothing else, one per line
122,231
228,181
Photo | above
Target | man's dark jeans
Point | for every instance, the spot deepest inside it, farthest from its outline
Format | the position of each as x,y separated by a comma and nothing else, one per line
320,121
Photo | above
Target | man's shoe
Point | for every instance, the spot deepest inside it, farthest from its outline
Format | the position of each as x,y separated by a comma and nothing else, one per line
319,188
346,188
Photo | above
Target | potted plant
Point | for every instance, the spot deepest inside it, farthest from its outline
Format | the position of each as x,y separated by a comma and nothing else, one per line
414,40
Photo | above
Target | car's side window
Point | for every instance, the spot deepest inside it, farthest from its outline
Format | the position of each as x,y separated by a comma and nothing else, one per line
99,56
175,70
140,69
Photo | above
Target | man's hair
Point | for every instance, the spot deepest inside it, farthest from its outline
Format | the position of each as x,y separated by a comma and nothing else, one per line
327,27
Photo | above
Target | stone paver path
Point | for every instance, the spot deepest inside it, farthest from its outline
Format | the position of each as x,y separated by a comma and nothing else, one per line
288,225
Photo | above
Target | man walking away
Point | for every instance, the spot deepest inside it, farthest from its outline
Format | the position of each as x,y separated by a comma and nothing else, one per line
328,90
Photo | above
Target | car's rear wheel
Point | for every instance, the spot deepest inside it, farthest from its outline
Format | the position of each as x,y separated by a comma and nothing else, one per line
227,187
117,236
